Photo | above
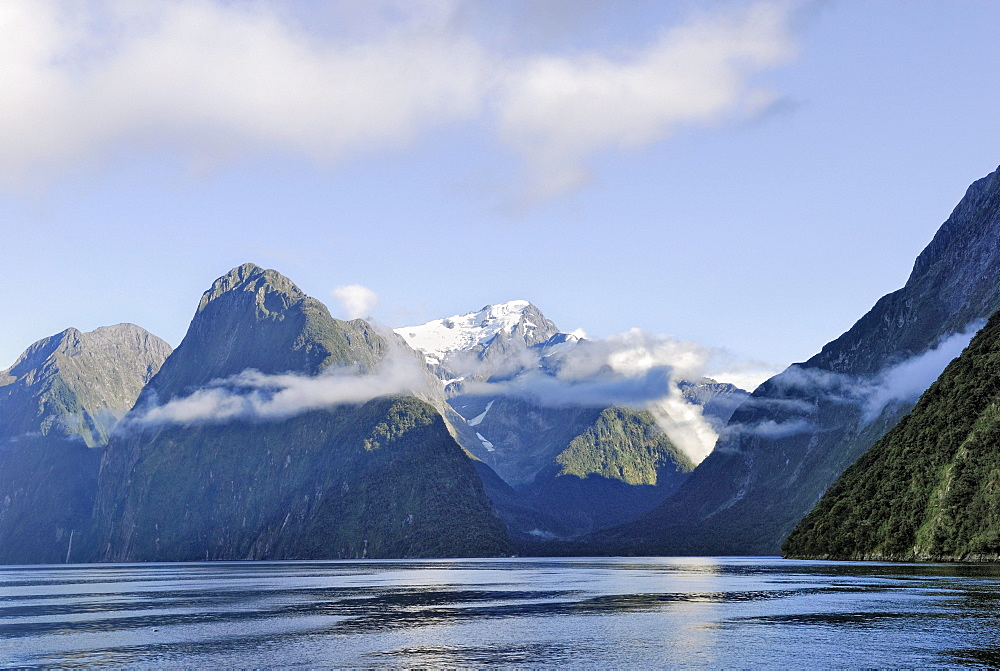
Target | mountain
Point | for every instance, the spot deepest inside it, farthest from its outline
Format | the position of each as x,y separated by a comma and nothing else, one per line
59,402
256,318
718,400
271,433
800,430
480,344
928,489
555,467
621,465
78,384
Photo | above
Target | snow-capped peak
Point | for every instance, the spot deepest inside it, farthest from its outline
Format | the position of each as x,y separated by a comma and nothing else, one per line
438,338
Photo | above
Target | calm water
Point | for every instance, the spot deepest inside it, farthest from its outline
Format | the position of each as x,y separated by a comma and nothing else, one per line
522,612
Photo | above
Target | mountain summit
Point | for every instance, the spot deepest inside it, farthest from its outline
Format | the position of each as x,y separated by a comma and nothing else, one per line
555,466
59,404
259,319
518,320
78,384
380,477
482,343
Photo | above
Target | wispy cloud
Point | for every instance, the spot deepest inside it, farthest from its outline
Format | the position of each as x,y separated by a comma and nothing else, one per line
355,300
798,391
640,370
770,428
252,395
219,80
907,380
559,111
634,369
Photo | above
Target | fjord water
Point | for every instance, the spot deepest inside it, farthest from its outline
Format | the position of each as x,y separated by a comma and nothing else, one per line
581,612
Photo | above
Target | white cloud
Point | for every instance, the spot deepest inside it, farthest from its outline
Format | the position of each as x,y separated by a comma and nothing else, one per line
685,425
559,111
801,388
909,379
634,369
355,300
252,395
770,428
632,353
217,81
641,370
748,375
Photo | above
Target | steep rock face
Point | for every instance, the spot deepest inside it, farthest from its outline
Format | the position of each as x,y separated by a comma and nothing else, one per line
928,490
954,281
382,478
799,431
257,318
78,384
518,438
60,400
47,487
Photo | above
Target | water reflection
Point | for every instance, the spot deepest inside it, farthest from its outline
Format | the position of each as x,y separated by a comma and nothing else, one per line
589,612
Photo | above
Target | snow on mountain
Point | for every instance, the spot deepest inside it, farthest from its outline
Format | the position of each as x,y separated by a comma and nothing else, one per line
475,330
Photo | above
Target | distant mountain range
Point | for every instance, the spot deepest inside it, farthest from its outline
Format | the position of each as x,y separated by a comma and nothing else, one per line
563,466
272,431
276,431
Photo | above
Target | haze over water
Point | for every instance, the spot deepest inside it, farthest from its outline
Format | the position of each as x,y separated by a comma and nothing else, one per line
580,612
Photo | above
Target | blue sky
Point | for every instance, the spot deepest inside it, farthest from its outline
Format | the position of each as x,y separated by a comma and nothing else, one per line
750,176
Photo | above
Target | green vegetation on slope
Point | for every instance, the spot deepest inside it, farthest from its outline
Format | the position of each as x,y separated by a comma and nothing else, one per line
624,445
618,467
77,383
382,479
930,488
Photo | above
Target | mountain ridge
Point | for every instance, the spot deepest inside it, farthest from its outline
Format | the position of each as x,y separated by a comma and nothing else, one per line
926,491
59,404
755,487
374,478
81,383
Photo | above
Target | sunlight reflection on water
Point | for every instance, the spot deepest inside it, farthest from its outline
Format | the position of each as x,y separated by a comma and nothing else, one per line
517,612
